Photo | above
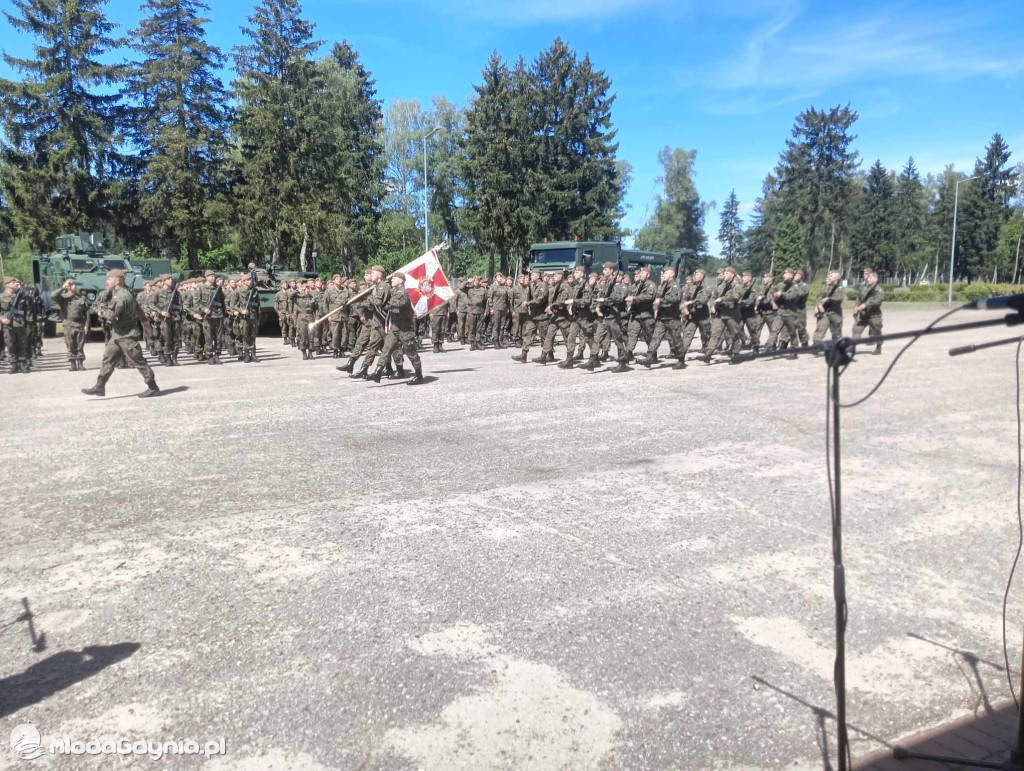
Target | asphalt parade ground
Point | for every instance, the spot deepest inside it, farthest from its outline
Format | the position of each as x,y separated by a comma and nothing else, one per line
509,567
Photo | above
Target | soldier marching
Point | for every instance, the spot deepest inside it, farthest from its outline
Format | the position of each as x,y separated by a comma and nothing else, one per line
372,323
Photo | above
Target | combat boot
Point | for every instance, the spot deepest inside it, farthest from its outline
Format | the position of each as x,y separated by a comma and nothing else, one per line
26,365
878,350
375,377
73,367
398,374
542,359
360,374
437,347
151,389
623,366
97,390
347,367
520,358
567,364
591,364
388,369
305,354
173,360
649,360
417,377
15,369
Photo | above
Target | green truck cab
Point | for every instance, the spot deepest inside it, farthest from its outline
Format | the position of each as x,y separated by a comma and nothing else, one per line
552,256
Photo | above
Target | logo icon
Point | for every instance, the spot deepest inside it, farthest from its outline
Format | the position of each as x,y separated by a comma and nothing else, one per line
25,741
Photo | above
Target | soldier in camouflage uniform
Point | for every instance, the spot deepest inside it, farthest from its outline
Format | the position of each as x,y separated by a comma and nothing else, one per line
402,333
305,310
581,328
829,309
125,322
74,311
748,311
374,310
696,312
498,301
281,308
610,309
477,306
520,295
667,319
559,294
764,309
640,305
726,310
14,313
169,305
334,302
802,293
248,319
785,302
868,312
209,309
535,307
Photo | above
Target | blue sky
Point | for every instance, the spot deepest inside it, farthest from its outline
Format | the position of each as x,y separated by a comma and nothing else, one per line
932,79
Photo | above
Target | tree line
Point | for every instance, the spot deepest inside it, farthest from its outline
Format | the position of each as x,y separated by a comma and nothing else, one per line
296,161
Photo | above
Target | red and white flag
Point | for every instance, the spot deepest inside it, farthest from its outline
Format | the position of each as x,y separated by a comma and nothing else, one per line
426,283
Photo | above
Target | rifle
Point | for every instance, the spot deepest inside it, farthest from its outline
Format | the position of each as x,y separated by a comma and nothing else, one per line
253,292
856,313
15,310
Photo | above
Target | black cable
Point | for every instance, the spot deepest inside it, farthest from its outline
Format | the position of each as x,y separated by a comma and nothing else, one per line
1020,528
903,350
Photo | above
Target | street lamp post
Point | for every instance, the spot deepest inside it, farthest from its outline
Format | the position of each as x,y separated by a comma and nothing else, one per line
426,206
952,246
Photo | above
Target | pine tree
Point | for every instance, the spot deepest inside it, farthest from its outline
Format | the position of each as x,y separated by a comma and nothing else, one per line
730,234
984,208
181,126
910,218
275,138
497,158
874,244
60,122
362,137
789,244
814,173
574,184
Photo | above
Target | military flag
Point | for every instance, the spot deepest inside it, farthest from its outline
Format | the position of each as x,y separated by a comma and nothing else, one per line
426,282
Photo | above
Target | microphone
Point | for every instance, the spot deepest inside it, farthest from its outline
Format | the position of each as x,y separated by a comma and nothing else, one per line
1015,301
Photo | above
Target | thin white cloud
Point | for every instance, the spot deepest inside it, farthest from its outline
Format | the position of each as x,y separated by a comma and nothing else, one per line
525,12
787,59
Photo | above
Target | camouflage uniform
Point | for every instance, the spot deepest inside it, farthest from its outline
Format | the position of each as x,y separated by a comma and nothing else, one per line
871,317
210,305
14,309
610,306
477,296
560,293
831,301
536,303
401,337
697,316
668,322
74,310
727,316
498,301
125,317
641,314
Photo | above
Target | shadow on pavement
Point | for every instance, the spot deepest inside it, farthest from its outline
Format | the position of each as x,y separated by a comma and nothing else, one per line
57,672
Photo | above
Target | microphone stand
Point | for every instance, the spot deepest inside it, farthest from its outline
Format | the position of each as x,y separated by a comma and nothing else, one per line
838,355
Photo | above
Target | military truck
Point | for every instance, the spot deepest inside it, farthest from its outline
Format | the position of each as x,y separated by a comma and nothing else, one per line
552,256
84,257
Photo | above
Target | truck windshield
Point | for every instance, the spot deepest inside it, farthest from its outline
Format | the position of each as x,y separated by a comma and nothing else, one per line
117,264
560,256
82,265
